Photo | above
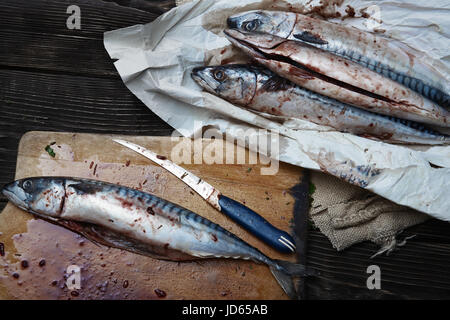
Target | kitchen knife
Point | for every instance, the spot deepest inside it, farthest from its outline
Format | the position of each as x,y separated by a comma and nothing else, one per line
244,216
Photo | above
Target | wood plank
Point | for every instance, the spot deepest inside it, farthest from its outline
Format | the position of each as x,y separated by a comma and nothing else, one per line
153,6
343,273
34,33
418,270
44,101
39,101
30,51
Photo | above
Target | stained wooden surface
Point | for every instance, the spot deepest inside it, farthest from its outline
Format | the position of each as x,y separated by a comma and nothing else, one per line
96,156
42,63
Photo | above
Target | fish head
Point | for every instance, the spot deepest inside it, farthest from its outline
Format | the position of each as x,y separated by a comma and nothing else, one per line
39,195
234,83
271,51
271,22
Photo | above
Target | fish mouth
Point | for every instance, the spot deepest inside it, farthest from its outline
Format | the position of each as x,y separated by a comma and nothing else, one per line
11,196
7,190
257,52
239,38
197,76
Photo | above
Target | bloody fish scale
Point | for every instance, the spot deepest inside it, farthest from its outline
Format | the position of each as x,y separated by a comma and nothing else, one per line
262,90
391,58
323,72
119,217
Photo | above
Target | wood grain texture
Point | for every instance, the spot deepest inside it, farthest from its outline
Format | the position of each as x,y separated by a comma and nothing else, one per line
419,270
34,33
95,156
42,64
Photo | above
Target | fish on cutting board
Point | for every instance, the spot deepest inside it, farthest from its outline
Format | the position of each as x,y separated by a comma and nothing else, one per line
260,89
389,57
139,222
236,211
336,77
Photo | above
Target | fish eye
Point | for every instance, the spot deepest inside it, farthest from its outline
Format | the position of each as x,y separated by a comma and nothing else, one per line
251,25
219,75
27,185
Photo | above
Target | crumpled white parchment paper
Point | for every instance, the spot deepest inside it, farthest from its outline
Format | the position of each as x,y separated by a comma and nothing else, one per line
155,61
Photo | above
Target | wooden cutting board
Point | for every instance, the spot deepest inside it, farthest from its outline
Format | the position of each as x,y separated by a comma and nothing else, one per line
37,253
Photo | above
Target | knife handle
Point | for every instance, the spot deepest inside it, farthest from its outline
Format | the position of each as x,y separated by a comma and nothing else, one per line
257,225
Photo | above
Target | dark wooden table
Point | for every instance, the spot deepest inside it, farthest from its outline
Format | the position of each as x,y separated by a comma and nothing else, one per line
53,78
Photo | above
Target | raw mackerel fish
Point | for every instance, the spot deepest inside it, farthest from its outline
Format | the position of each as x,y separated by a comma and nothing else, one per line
139,222
339,78
260,89
391,58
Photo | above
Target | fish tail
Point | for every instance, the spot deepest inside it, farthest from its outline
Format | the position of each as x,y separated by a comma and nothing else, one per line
284,271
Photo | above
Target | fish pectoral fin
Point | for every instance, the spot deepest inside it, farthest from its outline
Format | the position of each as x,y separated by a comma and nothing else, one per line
85,188
276,83
310,37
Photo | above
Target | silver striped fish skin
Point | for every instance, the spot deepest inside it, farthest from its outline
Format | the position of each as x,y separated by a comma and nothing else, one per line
139,222
260,89
389,57
338,78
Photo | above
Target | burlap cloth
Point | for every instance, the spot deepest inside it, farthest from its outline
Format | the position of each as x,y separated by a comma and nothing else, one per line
347,214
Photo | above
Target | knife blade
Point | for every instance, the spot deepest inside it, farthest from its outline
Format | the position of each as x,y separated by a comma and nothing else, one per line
247,218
